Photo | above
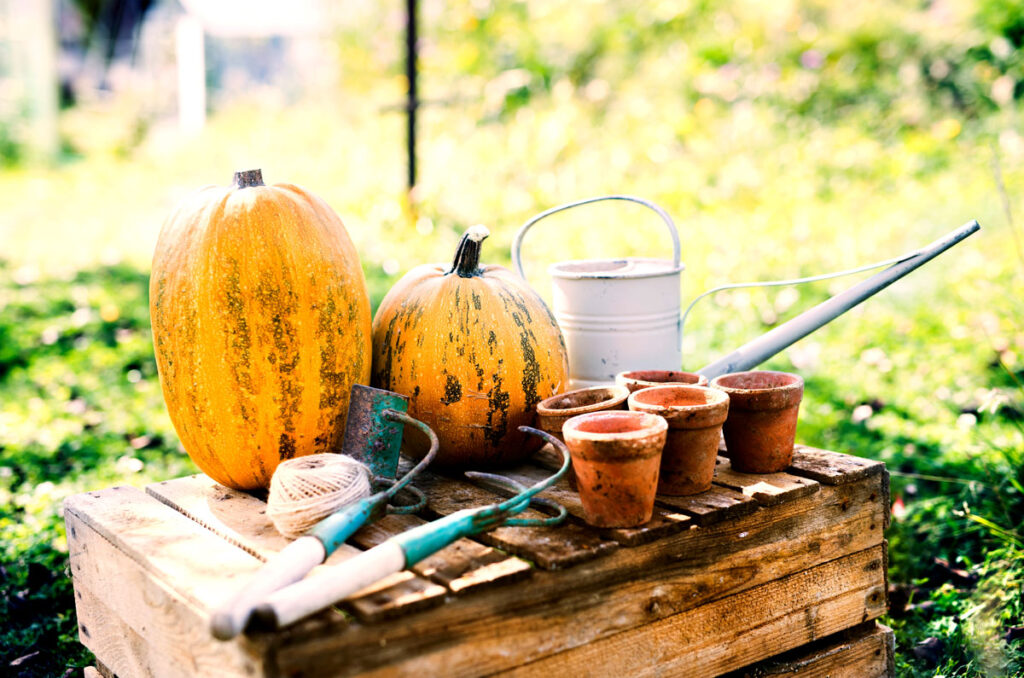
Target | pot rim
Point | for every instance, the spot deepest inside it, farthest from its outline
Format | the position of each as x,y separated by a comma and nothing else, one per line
719,396
796,384
616,396
623,377
653,425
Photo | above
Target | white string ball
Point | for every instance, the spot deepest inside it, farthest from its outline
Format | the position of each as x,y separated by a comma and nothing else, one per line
305,490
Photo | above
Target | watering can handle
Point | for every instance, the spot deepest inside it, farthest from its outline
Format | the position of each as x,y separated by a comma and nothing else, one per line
517,242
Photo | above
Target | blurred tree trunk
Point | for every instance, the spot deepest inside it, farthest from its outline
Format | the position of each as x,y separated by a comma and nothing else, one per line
30,31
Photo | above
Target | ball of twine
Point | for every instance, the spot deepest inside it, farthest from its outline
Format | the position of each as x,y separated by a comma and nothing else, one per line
305,490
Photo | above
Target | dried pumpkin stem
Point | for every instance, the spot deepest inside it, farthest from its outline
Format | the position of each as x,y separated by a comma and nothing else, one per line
248,178
467,256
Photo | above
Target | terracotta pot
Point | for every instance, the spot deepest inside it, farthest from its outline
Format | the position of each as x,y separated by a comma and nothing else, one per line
763,410
616,456
695,415
638,379
553,412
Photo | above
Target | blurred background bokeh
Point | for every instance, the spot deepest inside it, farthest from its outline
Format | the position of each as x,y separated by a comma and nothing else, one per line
787,138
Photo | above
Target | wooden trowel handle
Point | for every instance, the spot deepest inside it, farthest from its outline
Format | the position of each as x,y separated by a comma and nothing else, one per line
291,564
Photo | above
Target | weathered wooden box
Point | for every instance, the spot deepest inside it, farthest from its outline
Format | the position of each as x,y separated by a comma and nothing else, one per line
778,574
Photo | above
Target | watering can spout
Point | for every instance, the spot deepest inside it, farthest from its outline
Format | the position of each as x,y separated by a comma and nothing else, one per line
767,345
624,314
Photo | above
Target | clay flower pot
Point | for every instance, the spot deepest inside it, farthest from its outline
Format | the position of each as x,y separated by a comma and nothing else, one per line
761,428
554,411
638,379
616,456
695,415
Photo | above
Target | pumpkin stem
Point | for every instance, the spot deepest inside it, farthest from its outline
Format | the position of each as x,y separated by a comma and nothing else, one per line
467,256
248,178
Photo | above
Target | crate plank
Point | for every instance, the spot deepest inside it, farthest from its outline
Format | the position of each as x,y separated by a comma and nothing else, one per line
767,489
241,519
551,548
461,567
865,651
160,574
398,594
664,522
124,651
735,631
237,517
628,589
832,468
714,506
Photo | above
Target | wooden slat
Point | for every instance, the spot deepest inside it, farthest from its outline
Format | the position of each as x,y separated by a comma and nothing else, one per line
160,574
663,522
714,506
463,566
734,631
866,651
626,590
241,519
396,595
237,517
551,548
767,489
107,636
832,468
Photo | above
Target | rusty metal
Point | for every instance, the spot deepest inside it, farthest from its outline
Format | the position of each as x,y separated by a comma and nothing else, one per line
371,437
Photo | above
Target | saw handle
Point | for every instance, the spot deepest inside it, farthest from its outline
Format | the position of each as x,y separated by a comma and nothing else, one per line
290,565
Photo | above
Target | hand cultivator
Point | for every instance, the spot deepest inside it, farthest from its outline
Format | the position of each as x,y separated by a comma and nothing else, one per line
400,552
373,435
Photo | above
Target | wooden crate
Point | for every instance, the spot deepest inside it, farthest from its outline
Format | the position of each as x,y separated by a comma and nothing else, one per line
758,566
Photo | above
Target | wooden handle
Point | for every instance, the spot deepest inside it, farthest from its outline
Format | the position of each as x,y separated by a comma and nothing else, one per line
290,565
303,598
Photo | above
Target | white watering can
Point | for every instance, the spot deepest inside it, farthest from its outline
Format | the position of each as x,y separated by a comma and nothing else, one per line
625,314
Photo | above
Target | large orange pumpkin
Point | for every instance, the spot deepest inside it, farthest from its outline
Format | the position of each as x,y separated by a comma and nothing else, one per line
261,324
475,349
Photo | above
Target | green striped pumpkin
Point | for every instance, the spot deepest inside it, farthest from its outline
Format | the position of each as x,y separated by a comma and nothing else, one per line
475,349
261,325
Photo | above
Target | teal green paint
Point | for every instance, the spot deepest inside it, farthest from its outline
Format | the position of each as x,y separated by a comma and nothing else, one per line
422,541
370,436
333,530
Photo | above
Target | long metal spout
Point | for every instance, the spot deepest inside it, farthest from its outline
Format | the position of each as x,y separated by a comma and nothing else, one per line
757,351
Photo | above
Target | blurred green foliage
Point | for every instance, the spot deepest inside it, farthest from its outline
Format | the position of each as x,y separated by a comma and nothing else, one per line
787,138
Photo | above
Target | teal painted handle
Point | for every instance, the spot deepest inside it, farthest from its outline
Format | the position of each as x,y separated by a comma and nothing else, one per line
333,530
422,541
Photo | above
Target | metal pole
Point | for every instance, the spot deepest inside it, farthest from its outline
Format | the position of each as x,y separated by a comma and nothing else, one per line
757,351
412,102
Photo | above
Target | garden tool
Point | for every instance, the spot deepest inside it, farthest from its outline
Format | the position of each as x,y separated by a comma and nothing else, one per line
404,550
625,314
373,435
